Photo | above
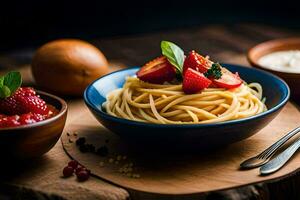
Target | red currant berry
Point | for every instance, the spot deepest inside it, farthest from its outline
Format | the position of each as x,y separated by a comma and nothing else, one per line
68,171
73,164
83,175
79,169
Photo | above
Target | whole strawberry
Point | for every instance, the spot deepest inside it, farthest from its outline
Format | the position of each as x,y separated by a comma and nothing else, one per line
32,104
12,105
24,100
15,100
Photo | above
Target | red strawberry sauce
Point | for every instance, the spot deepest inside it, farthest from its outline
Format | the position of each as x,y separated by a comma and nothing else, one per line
24,107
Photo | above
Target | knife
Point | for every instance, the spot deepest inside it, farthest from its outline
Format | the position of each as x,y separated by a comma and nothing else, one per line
279,161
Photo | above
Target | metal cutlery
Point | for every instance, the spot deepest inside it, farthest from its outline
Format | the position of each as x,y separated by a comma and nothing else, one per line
277,162
265,156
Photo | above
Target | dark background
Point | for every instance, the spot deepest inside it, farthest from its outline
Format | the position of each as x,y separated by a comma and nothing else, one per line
32,23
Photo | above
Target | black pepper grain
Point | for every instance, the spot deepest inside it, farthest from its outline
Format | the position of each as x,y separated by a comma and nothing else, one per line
102,151
80,141
83,148
91,148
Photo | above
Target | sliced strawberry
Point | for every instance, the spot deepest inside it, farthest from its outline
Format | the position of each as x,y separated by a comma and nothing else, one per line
194,82
196,62
228,80
157,71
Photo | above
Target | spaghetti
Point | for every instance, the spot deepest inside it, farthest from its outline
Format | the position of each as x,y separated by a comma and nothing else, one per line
168,104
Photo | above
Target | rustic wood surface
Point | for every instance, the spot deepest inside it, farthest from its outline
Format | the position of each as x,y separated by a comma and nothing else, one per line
41,178
177,174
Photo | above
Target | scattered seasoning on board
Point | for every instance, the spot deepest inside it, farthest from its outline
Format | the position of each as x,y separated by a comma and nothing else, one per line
101,164
102,151
80,141
91,148
127,169
136,176
119,157
84,147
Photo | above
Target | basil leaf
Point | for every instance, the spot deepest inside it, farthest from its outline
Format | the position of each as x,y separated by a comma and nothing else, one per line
4,92
174,54
1,81
13,81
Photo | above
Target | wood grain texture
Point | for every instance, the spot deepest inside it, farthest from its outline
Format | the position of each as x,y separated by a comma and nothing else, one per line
181,173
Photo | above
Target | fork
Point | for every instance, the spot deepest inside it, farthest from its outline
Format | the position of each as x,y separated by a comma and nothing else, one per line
279,161
265,156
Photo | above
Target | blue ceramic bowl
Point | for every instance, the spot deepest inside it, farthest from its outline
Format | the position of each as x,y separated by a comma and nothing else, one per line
200,135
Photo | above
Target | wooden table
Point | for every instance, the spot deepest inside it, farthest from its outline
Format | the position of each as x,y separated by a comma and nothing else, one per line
41,178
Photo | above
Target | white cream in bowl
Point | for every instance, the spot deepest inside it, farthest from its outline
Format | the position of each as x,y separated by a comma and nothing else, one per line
283,61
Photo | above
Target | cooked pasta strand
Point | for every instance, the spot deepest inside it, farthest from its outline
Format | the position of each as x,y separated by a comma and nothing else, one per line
167,104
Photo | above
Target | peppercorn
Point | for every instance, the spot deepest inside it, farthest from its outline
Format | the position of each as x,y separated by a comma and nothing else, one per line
80,141
83,148
102,151
91,148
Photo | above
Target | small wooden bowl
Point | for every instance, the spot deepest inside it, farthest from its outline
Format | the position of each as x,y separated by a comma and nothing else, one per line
255,53
34,140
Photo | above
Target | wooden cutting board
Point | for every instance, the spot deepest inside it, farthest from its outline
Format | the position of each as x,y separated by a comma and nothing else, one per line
176,174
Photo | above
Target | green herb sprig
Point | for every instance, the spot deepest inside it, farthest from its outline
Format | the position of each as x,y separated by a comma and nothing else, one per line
9,83
214,72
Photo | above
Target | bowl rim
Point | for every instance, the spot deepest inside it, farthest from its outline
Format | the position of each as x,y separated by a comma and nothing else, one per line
254,62
61,112
231,122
